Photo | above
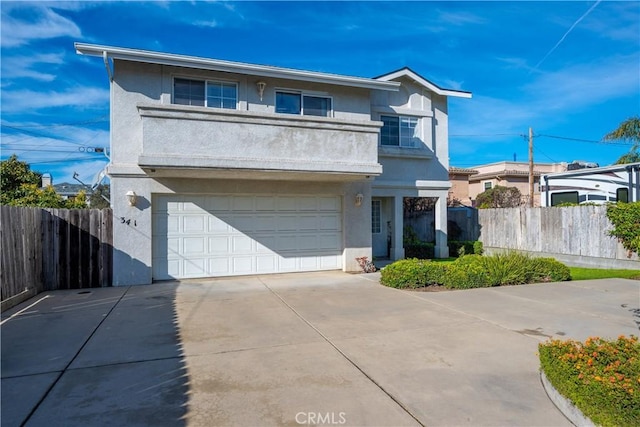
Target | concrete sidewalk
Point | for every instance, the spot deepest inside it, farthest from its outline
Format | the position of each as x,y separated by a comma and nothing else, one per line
317,348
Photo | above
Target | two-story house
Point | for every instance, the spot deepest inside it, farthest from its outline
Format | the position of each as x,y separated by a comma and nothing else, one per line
221,168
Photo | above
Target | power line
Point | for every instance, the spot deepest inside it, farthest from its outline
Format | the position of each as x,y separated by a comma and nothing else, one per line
582,140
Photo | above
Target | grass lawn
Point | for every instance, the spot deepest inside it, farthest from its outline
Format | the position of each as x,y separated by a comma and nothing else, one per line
579,273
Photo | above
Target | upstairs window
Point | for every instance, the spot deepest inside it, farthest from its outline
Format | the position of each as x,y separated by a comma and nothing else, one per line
205,93
399,131
301,104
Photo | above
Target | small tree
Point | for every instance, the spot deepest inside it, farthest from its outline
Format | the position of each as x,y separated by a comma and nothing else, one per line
499,197
13,175
20,186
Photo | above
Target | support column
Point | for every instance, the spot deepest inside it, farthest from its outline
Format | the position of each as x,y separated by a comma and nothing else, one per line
441,249
397,249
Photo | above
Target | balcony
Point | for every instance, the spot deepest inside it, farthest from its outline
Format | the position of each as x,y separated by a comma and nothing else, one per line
184,141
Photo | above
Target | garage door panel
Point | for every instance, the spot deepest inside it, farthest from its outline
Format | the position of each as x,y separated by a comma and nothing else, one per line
266,203
329,204
217,235
242,204
286,223
308,223
218,245
194,224
308,204
242,265
266,264
286,204
265,223
195,267
329,242
329,222
217,225
194,246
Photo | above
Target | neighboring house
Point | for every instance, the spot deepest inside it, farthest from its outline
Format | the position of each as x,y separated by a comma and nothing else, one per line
459,192
69,191
221,168
511,174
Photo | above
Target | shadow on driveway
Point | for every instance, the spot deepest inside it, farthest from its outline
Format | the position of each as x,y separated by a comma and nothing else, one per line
108,356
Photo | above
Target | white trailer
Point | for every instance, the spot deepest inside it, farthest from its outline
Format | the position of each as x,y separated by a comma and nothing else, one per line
618,183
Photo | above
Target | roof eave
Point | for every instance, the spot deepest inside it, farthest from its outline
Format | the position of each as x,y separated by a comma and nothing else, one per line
136,55
407,72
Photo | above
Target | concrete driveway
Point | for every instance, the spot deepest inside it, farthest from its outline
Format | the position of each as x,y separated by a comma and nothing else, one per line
299,349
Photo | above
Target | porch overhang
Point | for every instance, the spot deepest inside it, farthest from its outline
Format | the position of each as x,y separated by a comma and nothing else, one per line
243,168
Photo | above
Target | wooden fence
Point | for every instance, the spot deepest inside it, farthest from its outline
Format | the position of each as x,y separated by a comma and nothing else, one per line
575,235
49,249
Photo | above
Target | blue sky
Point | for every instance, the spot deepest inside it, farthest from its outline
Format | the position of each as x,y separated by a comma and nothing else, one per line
570,70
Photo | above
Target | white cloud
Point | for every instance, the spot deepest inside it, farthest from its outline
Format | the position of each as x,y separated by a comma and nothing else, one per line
23,66
45,24
548,97
207,24
29,100
459,18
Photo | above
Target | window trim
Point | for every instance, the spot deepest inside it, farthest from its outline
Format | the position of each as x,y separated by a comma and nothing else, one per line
555,195
302,95
206,85
622,190
376,204
484,185
417,130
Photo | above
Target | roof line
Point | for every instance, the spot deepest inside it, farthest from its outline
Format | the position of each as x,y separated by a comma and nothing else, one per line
406,71
137,55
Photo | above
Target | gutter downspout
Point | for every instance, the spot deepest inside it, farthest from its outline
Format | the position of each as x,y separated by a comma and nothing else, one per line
105,57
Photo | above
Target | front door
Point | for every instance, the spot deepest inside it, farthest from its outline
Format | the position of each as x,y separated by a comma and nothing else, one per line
379,229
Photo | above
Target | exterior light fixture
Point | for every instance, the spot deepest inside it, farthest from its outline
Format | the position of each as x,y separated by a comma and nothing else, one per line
261,86
131,197
359,198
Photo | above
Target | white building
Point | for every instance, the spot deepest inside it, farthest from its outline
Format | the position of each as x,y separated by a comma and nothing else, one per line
250,169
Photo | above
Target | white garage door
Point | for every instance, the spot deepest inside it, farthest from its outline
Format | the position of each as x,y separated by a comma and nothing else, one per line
219,235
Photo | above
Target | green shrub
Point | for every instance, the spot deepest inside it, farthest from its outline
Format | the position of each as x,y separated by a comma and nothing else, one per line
464,247
461,276
412,273
478,247
420,250
475,271
547,270
505,269
625,218
602,378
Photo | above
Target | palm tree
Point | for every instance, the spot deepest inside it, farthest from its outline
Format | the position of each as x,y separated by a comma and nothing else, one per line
629,130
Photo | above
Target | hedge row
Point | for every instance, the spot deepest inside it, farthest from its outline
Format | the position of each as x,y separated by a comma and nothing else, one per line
474,271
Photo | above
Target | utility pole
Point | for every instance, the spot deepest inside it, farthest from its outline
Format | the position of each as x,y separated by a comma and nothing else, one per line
530,167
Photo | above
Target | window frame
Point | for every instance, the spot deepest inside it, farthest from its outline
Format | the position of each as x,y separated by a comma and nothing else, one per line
416,121
207,82
302,95
484,185
563,194
376,207
619,192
